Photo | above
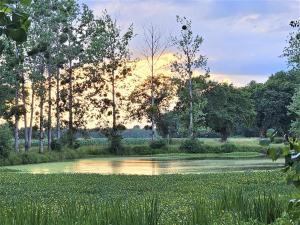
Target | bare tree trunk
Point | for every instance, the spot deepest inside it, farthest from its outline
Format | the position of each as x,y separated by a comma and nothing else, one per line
191,125
71,128
41,141
114,102
58,132
49,110
25,114
17,148
152,85
31,115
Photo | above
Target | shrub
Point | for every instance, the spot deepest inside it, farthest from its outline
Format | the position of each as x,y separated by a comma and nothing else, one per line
5,141
264,141
158,144
56,145
68,139
116,146
77,144
139,150
192,146
228,147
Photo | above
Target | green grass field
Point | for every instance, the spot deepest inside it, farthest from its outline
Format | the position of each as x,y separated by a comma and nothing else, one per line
69,199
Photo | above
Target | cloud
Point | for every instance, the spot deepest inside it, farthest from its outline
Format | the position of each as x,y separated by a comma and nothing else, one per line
240,37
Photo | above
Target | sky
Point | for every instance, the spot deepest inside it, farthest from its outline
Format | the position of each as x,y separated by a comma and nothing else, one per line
243,39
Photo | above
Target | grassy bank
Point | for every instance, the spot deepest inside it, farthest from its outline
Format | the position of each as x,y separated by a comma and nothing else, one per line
239,147
67,199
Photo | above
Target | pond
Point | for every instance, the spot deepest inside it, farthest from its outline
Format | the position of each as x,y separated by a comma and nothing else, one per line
150,166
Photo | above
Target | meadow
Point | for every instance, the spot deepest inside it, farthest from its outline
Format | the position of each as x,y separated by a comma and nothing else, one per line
67,199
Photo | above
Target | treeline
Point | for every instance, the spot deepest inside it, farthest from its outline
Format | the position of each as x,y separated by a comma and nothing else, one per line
71,66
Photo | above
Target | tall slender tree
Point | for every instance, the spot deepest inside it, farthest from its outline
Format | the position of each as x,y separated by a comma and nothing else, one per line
188,60
113,69
153,50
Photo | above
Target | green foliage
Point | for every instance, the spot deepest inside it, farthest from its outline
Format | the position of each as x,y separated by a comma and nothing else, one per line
56,145
271,101
192,146
158,144
5,140
294,109
14,22
226,107
116,146
68,139
229,147
292,52
224,198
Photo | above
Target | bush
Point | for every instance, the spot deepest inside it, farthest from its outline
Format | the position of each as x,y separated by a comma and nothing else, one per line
77,144
264,141
116,146
228,147
68,139
158,144
5,141
192,146
56,145
139,150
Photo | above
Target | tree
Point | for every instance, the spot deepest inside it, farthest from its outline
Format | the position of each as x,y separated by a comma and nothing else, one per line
77,30
143,96
154,48
226,107
110,72
271,100
292,51
294,109
188,60
182,108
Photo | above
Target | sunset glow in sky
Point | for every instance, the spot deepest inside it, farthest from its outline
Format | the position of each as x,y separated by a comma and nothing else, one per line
243,39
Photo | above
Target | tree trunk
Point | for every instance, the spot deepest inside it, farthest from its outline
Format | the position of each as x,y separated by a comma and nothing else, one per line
191,125
224,135
114,102
49,109
58,132
16,132
152,86
71,128
41,141
25,114
31,115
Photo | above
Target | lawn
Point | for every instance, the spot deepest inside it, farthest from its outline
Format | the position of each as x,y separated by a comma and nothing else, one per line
87,199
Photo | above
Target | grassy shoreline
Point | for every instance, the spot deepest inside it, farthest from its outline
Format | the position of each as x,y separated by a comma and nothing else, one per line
211,148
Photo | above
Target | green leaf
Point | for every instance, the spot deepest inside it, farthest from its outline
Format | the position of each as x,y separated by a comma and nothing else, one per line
285,150
25,2
4,19
274,153
18,35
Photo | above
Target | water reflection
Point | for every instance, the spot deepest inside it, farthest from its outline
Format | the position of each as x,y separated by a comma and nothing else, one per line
143,166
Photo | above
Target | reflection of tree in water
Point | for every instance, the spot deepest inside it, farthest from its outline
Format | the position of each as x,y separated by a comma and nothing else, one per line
116,166
160,167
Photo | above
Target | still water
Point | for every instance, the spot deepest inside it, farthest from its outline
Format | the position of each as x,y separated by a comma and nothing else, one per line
144,166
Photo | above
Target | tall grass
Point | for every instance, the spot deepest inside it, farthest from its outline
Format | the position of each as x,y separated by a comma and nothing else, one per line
232,207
